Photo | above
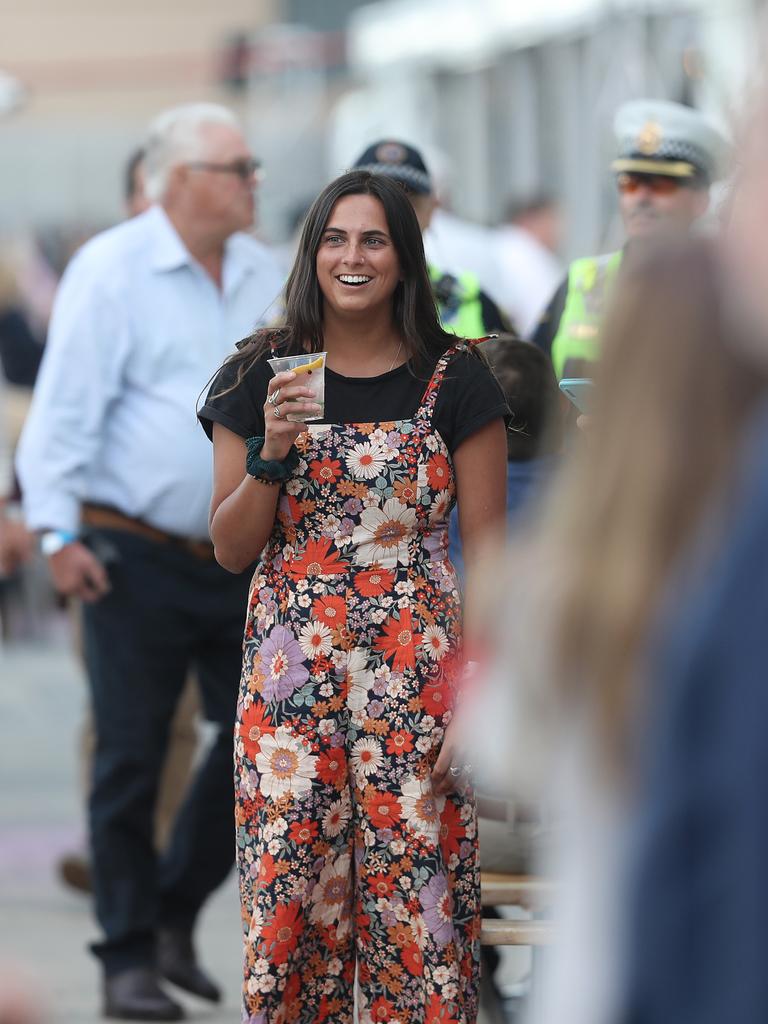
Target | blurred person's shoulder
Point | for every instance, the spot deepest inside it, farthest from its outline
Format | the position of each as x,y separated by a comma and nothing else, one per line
118,251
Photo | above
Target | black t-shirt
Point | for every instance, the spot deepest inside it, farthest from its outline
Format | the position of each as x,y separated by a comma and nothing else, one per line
468,399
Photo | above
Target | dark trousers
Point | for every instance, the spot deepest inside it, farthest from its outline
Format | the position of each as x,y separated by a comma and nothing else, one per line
166,612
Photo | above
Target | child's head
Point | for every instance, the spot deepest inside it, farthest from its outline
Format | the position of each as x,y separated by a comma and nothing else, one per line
526,375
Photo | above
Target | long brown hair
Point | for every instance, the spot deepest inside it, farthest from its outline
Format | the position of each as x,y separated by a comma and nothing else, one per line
414,312
672,398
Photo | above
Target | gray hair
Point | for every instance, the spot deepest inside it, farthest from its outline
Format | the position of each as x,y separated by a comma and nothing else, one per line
174,137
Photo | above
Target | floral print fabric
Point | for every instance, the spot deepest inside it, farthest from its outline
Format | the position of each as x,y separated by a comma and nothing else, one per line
350,866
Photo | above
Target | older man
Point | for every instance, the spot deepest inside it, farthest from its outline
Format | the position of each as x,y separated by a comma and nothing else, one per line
667,157
117,479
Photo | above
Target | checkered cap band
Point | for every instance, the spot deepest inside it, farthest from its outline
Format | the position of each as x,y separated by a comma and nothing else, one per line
410,176
672,149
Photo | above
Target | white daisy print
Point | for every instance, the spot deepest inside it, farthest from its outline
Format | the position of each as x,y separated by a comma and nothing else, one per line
366,756
421,808
285,765
337,817
440,507
332,895
315,639
359,680
383,534
366,460
434,641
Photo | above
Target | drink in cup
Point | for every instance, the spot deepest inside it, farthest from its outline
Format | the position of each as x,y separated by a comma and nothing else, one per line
310,373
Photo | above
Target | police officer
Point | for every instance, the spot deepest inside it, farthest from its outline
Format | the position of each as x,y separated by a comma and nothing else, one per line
465,309
668,155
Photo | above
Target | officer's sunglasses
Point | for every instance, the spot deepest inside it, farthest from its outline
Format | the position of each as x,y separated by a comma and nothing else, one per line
246,168
660,184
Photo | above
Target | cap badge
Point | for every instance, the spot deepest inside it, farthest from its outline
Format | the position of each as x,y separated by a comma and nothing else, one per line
391,153
649,139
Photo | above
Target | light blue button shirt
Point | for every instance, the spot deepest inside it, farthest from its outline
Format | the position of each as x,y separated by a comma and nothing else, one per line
138,329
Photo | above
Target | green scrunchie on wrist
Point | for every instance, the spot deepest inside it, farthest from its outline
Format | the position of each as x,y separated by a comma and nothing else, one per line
269,471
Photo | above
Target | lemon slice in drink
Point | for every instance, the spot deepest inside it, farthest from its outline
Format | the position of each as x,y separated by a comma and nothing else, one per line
309,367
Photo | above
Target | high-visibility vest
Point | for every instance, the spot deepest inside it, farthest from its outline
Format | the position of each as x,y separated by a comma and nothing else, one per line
590,283
458,302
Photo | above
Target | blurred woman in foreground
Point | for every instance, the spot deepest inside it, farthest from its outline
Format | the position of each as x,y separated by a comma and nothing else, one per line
647,493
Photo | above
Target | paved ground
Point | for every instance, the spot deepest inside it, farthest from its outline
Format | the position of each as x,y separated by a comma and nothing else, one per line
44,927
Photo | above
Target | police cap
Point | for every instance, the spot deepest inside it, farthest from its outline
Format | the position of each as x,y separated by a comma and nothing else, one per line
399,161
661,137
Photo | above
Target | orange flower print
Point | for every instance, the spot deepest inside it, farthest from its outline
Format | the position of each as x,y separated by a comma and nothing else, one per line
374,581
255,722
438,472
280,936
325,471
435,699
332,767
381,884
400,742
452,829
399,642
405,491
303,832
382,1010
412,959
332,611
317,559
438,1012
383,809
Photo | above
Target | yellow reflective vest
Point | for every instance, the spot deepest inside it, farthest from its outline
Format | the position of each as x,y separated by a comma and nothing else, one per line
590,283
458,302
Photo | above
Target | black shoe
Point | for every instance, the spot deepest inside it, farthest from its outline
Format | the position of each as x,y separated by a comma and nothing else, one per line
177,963
75,871
135,994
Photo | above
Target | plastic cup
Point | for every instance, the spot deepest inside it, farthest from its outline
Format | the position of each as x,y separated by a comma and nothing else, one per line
313,377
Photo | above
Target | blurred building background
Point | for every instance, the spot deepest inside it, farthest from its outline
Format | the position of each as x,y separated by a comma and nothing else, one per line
508,97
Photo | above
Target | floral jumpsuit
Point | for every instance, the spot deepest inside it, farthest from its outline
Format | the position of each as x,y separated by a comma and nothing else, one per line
353,874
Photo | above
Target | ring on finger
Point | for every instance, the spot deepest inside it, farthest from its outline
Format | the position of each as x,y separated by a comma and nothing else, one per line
273,398
278,414
454,771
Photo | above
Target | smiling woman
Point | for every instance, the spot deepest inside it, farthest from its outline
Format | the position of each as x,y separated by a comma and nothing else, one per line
354,621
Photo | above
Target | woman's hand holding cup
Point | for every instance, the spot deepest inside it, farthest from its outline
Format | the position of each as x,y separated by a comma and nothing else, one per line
284,397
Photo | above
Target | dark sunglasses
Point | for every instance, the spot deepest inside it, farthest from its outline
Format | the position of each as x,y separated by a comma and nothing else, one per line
246,169
659,184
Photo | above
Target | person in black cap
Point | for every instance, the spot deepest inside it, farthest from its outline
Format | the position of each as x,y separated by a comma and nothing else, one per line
464,308
667,156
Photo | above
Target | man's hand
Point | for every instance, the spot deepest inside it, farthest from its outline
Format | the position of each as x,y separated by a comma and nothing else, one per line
17,545
77,572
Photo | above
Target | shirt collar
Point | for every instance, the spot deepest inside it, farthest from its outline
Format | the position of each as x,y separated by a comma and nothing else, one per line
170,253
168,250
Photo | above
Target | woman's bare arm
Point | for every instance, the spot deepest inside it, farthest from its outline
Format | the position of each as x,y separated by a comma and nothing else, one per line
481,493
242,508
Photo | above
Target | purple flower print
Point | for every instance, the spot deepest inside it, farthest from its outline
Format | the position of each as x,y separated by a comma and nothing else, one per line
347,527
282,662
438,909
256,1018
375,709
352,506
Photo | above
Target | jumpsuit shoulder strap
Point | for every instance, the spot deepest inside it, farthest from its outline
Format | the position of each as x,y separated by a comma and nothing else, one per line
428,399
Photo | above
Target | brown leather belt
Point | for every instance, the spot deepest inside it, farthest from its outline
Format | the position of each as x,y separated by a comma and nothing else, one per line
107,518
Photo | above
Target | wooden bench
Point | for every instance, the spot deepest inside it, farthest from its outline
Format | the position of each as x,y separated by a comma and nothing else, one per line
526,891
501,932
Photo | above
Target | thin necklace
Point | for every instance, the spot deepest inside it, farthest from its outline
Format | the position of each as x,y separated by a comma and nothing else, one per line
397,356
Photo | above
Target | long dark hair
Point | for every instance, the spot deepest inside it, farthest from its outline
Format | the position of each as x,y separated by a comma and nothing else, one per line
413,306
